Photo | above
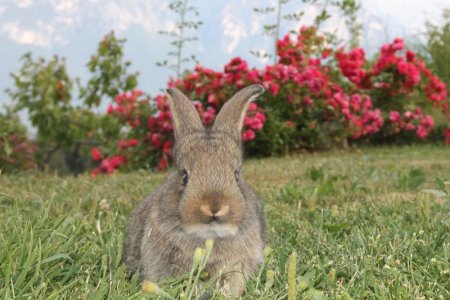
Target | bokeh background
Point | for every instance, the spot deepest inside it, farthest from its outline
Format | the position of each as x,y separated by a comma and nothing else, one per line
72,29
84,80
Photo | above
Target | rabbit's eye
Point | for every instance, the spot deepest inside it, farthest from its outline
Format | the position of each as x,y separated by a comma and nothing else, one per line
185,177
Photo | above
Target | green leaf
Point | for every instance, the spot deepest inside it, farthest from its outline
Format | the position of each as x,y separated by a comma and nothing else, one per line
440,183
56,257
337,227
313,294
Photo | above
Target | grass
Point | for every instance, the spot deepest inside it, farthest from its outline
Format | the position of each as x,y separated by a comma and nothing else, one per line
359,221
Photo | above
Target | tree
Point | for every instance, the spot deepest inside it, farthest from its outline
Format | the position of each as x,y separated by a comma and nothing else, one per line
109,73
178,35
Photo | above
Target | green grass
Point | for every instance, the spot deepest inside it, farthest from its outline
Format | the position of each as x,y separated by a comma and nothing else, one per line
359,221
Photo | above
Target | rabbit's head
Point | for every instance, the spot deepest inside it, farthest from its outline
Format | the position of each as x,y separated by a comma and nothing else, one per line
208,163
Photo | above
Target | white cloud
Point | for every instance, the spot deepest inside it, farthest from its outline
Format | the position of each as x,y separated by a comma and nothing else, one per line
61,40
66,21
376,25
67,13
170,26
124,14
23,3
233,29
256,25
37,37
65,6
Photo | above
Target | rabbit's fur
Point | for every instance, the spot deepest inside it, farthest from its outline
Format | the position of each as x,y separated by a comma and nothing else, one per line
204,197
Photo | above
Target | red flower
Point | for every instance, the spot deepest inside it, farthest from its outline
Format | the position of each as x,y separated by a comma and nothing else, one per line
96,154
256,124
410,56
209,115
436,90
156,140
122,144
106,166
248,135
167,147
110,109
394,116
261,116
213,100
326,53
162,103
117,161
398,44
252,106
421,131
447,136
152,122
126,144
162,165
351,65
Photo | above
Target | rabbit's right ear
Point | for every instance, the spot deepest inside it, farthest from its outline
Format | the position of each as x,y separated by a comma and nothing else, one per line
231,117
184,115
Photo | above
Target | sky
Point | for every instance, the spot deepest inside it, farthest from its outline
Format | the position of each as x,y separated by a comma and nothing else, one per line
73,28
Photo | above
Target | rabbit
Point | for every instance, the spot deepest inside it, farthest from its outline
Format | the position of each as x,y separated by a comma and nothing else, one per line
204,197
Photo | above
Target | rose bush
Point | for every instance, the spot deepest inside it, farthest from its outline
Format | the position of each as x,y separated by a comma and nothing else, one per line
317,97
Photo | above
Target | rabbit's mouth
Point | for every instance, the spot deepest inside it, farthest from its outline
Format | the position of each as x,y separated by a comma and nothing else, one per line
212,230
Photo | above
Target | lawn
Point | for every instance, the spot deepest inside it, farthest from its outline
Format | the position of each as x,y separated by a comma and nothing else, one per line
366,224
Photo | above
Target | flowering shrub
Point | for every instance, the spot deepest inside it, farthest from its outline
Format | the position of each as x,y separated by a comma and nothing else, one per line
16,151
131,150
316,97
397,83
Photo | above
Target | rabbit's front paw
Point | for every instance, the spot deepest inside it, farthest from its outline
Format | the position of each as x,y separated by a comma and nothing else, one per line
233,285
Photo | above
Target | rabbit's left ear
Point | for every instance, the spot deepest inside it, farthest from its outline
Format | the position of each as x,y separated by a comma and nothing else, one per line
185,117
231,117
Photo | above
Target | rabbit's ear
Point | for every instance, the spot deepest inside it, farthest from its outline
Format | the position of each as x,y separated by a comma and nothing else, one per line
184,115
231,117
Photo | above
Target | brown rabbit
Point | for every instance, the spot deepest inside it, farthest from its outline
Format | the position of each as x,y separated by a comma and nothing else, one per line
204,197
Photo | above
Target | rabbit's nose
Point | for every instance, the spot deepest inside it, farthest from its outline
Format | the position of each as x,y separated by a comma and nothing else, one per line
215,211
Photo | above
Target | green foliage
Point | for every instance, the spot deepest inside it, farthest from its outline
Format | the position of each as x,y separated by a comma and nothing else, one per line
44,90
62,237
109,73
412,180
